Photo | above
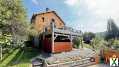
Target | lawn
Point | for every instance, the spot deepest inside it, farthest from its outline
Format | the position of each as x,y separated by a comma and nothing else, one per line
20,58
7,60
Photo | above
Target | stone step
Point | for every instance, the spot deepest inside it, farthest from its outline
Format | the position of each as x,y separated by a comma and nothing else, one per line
81,63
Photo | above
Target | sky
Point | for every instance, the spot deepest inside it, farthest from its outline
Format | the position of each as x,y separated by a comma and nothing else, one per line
84,15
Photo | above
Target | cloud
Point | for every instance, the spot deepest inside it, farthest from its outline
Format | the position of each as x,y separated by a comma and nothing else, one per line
103,8
71,2
95,13
35,2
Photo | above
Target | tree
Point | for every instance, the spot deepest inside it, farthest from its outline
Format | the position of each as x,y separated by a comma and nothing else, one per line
112,30
5,40
88,36
13,19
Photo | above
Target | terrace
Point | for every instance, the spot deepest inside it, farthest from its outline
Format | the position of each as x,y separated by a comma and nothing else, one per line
76,57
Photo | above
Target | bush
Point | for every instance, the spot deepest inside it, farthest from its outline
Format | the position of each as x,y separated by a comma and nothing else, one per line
114,44
76,42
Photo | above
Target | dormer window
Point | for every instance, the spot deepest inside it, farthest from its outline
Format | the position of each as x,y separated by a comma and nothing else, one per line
43,19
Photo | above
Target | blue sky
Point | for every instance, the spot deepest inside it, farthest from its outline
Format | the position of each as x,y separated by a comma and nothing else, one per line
85,15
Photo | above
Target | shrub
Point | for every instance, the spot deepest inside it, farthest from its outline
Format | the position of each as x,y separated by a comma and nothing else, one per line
76,42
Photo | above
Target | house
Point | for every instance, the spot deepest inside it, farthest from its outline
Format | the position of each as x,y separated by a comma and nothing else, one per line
55,36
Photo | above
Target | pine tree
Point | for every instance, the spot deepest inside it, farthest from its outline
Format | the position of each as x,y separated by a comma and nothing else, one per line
112,30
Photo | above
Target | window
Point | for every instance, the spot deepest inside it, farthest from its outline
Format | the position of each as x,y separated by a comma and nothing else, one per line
53,20
43,19
60,23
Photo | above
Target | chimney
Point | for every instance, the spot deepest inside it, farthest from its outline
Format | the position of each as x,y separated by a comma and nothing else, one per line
47,9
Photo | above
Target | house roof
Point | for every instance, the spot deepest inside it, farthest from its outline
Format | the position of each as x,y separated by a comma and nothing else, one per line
34,15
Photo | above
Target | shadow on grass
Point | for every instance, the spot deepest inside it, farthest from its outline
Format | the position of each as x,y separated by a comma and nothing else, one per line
24,57
6,61
14,60
7,54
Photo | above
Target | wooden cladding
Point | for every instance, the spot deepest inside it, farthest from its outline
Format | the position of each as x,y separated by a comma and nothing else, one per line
62,47
58,46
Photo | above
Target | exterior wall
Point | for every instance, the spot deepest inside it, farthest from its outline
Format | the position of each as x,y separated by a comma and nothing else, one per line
40,23
62,47
47,45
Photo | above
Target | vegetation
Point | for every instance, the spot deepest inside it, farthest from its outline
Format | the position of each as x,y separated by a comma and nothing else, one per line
14,31
7,60
87,37
109,40
19,58
112,30
112,34
23,58
77,42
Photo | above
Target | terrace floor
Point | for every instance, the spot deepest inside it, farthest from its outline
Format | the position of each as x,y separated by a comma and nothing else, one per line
74,55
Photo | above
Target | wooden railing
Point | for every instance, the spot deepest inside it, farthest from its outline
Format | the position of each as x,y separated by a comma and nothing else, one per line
62,31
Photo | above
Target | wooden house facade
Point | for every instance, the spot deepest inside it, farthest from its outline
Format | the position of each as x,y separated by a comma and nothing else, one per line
55,37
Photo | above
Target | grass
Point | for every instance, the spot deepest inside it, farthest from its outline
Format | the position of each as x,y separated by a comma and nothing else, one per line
24,58
5,55
6,61
20,58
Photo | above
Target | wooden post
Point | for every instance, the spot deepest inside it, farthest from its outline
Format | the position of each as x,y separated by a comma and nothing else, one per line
70,38
1,52
52,26
81,41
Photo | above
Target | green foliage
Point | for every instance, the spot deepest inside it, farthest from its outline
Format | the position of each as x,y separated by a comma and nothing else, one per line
77,42
13,18
116,42
96,44
11,10
32,31
113,43
90,34
87,37
5,39
112,30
